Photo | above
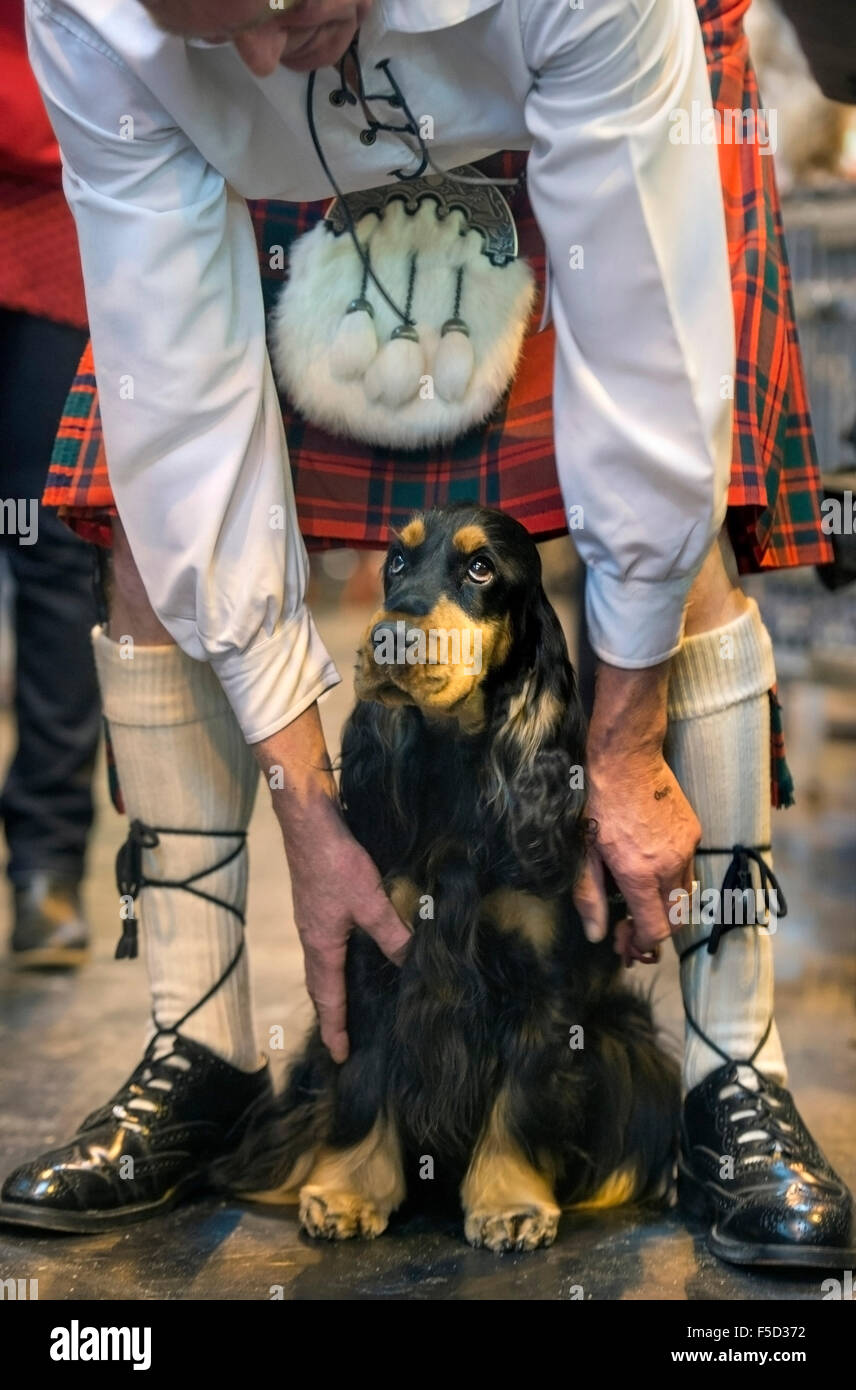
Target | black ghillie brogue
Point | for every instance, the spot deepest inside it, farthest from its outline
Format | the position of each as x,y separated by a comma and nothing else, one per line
747,1164
180,1111
146,1149
751,1168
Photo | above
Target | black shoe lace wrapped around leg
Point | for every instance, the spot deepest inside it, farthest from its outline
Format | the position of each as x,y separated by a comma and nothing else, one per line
738,878
130,879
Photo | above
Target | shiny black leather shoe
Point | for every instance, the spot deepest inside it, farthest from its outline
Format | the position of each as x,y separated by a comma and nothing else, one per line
50,930
146,1149
749,1166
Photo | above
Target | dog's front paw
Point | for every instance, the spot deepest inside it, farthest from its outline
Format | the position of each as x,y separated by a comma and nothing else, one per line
519,1228
339,1215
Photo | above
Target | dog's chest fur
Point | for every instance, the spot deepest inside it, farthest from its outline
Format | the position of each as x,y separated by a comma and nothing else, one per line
489,987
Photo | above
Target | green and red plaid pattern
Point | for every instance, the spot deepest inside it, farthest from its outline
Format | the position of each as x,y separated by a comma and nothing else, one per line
774,500
781,781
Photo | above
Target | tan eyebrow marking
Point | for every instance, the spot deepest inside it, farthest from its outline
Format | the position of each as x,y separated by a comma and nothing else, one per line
469,538
414,532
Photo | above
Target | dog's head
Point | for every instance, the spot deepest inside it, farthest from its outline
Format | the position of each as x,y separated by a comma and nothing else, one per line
460,584
467,637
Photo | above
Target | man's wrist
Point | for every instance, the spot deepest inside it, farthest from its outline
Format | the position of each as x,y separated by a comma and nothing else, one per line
297,768
629,715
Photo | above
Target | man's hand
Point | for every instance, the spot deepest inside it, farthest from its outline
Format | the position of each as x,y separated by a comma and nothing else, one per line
647,832
335,885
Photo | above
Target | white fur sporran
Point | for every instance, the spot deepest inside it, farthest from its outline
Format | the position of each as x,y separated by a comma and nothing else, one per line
428,373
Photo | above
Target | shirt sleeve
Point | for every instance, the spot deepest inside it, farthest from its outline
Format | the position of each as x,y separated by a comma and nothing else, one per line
192,424
634,225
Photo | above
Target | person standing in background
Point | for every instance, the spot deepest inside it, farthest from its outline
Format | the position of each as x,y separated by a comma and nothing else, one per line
827,34
46,803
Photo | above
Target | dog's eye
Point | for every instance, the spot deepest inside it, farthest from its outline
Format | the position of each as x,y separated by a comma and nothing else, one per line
396,562
480,570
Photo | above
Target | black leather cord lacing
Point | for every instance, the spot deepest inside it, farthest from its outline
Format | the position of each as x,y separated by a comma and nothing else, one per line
368,270
757,1109
343,95
130,879
738,876
153,1076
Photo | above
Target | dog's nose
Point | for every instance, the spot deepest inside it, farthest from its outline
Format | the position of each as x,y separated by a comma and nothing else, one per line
410,603
388,639
383,630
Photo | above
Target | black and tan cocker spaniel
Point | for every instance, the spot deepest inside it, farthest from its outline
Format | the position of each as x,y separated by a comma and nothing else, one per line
506,1060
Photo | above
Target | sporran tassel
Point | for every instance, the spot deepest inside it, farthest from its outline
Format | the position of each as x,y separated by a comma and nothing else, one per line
354,347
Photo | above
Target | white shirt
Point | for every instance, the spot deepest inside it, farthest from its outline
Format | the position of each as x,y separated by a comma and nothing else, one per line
192,426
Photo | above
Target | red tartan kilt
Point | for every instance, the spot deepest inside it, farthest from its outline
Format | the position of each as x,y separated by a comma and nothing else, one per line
350,494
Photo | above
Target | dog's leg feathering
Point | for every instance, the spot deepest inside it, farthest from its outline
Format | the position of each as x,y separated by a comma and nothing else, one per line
508,1204
354,1191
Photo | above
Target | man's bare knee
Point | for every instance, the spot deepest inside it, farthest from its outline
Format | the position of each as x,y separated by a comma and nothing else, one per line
716,597
131,614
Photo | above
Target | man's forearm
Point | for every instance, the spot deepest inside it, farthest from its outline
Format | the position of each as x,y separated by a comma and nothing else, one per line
334,884
629,713
297,767
646,831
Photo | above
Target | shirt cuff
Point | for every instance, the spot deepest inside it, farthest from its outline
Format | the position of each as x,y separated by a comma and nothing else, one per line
270,684
634,623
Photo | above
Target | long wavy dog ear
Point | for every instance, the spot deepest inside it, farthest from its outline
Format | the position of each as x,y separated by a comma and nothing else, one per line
380,775
537,754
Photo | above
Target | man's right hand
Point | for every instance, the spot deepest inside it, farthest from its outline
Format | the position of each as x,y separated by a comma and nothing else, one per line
336,888
647,832
335,885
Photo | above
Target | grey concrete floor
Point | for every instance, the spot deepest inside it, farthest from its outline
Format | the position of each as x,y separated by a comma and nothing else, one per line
68,1041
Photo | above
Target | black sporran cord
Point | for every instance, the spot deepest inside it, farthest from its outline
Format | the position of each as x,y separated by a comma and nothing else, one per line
738,877
130,879
398,99
368,271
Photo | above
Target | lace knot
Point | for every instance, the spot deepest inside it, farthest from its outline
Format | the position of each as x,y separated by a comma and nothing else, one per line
129,881
738,879
129,860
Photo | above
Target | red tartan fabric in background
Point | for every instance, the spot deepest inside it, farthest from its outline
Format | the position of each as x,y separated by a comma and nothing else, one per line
349,494
775,486
39,262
